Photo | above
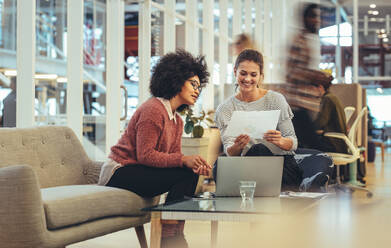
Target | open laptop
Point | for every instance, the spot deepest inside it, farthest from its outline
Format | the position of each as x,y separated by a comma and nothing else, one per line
265,170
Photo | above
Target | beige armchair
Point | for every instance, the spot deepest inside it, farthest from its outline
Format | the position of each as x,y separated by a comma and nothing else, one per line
48,192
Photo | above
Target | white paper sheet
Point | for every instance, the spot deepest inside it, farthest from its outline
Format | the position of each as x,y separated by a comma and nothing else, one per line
305,194
253,123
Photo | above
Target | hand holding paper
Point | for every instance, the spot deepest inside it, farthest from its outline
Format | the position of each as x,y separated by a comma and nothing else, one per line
253,123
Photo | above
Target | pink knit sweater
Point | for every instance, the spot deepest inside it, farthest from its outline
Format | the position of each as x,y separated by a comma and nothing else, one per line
151,138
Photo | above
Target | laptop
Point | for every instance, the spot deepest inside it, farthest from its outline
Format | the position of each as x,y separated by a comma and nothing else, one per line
265,170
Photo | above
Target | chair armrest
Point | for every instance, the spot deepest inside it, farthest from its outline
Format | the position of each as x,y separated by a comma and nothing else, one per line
22,217
336,135
354,150
93,171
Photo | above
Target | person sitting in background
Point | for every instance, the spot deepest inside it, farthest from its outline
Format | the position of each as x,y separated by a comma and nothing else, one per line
147,159
248,71
331,118
1,117
243,41
8,118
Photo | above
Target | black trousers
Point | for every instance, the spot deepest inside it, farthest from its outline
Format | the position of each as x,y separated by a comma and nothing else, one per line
149,181
291,172
306,132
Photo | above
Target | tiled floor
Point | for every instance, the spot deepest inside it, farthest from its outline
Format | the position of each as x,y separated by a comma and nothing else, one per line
350,221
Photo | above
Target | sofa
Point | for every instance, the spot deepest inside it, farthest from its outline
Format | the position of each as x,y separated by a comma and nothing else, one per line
49,196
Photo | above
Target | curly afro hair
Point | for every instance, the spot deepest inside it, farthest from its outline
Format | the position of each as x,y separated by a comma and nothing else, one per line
172,71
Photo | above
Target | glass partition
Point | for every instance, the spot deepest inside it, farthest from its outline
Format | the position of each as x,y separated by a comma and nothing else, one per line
8,63
94,86
51,62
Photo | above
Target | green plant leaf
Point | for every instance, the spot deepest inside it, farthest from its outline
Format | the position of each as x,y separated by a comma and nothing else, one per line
184,112
189,127
209,119
198,131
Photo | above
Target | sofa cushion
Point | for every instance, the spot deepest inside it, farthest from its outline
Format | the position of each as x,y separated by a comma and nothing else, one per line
54,152
70,205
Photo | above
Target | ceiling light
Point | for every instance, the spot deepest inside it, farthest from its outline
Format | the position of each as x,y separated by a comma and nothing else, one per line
375,12
372,6
10,73
62,80
46,76
380,90
385,39
383,30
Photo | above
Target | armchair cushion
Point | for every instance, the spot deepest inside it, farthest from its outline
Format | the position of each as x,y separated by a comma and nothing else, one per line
62,203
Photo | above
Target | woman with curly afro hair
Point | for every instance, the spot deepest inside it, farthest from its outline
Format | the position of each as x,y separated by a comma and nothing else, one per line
147,159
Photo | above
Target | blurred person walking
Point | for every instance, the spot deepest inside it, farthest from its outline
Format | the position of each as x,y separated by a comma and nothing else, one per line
303,75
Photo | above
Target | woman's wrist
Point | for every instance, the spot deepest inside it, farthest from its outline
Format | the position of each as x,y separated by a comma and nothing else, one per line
286,143
183,161
233,150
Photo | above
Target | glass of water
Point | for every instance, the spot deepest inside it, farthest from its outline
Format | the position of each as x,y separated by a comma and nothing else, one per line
247,189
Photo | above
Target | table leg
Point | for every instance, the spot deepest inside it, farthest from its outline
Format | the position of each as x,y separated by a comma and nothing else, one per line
156,229
213,233
382,152
141,236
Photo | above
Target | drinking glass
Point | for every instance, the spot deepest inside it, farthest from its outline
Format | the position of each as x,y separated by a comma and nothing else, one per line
247,189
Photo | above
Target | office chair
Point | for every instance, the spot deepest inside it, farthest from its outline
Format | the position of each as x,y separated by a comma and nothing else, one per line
349,111
347,158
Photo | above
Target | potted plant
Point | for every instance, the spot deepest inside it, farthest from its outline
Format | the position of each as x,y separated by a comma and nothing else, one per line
196,144
193,123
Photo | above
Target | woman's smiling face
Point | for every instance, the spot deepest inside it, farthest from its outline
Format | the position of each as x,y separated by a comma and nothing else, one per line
190,91
248,76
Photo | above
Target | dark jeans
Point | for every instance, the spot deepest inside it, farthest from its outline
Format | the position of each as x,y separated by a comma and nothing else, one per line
291,173
149,181
313,162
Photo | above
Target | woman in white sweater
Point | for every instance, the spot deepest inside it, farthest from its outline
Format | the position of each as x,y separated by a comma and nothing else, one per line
251,96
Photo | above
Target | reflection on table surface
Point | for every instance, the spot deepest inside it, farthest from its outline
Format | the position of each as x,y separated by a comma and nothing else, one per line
259,205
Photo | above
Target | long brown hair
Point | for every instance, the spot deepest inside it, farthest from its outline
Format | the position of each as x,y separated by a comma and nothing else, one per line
250,55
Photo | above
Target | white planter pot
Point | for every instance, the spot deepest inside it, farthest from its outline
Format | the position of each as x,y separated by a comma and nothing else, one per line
195,146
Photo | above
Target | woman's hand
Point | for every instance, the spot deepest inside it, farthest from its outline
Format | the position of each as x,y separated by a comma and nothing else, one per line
240,142
197,164
274,137
203,170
